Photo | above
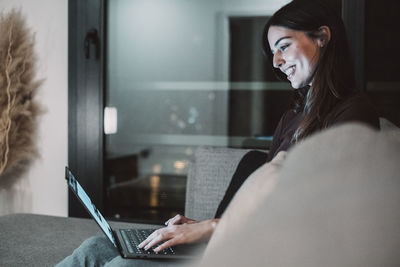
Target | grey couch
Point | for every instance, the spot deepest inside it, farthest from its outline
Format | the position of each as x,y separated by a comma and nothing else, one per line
38,240
34,240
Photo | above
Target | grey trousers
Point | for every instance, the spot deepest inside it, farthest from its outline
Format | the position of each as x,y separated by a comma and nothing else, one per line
98,251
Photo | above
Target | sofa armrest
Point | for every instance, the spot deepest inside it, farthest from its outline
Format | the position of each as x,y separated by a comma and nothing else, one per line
209,176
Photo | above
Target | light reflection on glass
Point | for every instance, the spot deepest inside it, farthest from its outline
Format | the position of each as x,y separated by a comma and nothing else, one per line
179,165
154,185
157,168
154,182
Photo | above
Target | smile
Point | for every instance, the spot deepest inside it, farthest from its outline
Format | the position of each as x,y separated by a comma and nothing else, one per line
290,72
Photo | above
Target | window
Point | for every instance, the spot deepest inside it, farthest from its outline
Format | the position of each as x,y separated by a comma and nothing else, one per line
181,74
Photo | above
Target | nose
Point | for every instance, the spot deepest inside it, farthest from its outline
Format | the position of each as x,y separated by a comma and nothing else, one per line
277,60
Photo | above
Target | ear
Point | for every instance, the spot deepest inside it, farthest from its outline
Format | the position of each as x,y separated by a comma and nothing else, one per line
323,36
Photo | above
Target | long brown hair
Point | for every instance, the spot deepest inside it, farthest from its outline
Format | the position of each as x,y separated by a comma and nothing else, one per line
333,78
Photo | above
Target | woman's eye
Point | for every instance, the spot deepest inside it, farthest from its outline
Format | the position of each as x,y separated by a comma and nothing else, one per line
284,47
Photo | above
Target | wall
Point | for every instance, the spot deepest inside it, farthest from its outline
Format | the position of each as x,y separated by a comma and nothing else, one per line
43,189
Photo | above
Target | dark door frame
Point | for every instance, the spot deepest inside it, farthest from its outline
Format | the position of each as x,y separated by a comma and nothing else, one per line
86,81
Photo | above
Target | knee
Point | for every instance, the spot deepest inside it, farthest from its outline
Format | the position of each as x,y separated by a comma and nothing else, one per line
95,246
94,242
97,249
94,251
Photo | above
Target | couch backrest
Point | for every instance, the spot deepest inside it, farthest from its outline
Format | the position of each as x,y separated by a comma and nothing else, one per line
208,178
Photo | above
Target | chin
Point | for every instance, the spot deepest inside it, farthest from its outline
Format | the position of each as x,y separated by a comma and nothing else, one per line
295,85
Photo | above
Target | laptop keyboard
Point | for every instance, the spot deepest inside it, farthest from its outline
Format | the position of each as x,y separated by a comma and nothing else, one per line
133,237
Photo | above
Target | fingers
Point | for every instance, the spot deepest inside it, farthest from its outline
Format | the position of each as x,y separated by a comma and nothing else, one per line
170,219
191,221
144,244
165,245
175,220
147,240
178,234
157,237
179,219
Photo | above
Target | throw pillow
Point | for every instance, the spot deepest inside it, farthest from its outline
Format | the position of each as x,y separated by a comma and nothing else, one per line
336,204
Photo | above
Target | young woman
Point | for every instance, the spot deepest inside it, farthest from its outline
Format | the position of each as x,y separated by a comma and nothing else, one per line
306,44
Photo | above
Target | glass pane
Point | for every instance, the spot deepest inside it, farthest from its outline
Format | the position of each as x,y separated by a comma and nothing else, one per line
381,71
182,74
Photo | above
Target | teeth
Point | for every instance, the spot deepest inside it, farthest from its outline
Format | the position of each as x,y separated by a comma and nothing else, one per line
289,71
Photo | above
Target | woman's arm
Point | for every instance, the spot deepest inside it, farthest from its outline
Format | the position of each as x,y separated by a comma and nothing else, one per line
180,234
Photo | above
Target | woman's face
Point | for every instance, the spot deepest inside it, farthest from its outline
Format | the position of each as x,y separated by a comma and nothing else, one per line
294,53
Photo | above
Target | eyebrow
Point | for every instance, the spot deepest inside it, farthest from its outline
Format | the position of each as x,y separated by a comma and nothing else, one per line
280,39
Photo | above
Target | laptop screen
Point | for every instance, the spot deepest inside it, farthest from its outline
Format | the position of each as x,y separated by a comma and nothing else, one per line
90,207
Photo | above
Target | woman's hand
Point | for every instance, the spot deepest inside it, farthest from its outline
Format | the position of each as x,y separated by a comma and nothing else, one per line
179,219
180,234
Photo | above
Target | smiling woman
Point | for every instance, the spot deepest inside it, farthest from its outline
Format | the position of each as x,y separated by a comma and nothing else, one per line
296,54
306,44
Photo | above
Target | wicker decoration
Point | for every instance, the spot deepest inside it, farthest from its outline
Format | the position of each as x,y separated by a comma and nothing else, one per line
18,109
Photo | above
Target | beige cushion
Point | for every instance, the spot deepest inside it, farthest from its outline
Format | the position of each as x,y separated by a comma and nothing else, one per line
246,201
336,204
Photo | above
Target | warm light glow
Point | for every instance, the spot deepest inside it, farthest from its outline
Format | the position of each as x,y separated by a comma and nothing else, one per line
154,199
154,185
154,182
157,168
179,165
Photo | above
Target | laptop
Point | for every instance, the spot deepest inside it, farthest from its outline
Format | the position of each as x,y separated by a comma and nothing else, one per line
127,240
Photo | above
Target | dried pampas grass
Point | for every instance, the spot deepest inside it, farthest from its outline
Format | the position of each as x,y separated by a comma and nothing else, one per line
18,86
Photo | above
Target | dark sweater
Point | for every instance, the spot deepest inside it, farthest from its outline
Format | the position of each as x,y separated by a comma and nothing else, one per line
353,109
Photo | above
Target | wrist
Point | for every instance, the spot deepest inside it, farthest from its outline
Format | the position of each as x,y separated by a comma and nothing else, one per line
214,223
